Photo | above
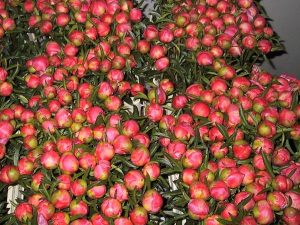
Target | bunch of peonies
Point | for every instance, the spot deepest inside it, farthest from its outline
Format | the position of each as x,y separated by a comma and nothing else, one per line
213,33
96,18
7,23
6,87
94,140
227,142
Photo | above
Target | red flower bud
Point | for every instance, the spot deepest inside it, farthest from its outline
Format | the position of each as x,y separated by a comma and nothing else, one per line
140,156
198,209
9,174
219,190
152,201
111,208
199,190
134,180
24,212
45,209
102,170
78,208
61,199
60,218
291,216
263,213
152,170
241,149
277,200
96,192
139,216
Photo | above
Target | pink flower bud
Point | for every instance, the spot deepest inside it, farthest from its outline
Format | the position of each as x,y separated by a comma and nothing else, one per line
60,218
123,221
139,216
263,213
199,190
198,209
152,170
295,199
78,208
134,180
45,209
282,183
111,208
102,170
96,192
61,199
291,216
192,159
140,156
219,190
119,192
68,163
152,201
24,212
277,200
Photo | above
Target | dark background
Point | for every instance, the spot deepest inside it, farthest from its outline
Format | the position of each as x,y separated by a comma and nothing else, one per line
285,15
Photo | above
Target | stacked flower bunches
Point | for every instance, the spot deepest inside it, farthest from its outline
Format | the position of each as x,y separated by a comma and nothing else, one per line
235,146
205,38
82,153
83,157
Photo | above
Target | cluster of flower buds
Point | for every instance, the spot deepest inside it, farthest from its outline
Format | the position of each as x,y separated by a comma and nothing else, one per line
229,139
217,144
210,32
98,18
7,23
6,88
81,165
76,145
66,133
66,64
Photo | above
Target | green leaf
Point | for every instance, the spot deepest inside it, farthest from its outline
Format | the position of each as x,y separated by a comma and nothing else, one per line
267,164
23,99
225,222
245,201
141,96
230,140
222,130
175,219
265,190
173,162
244,120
